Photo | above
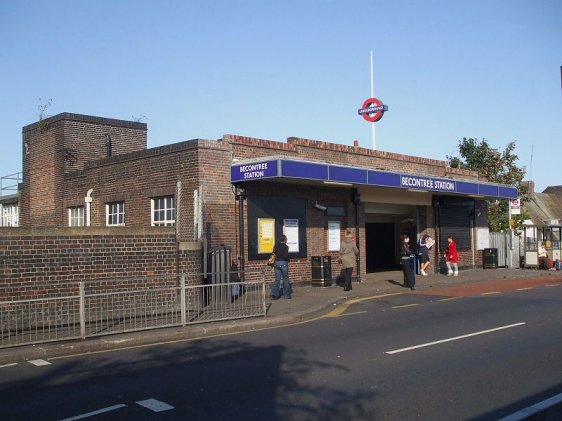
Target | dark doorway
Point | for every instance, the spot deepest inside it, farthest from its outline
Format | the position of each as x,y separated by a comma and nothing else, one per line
380,246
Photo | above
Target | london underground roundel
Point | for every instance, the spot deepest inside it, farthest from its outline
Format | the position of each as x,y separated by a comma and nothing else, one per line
372,110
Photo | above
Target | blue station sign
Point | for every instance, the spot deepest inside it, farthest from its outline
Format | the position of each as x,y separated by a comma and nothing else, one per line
316,171
253,171
427,183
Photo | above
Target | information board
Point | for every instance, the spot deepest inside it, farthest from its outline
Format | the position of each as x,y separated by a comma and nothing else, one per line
334,232
266,235
291,231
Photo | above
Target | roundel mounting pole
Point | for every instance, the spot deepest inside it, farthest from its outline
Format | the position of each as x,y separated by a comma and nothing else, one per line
372,109
372,96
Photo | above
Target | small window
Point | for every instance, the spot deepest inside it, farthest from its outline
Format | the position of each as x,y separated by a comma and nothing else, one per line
9,215
163,211
76,216
115,214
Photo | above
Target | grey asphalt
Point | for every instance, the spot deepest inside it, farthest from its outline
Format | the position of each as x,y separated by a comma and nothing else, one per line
307,303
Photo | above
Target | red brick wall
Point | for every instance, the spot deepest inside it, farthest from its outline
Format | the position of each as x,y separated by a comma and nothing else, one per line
317,226
41,176
219,205
251,148
66,156
135,178
63,143
51,257
246,148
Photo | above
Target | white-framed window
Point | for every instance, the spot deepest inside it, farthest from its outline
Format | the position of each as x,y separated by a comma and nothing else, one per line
115,214
163,211
9,215
76,216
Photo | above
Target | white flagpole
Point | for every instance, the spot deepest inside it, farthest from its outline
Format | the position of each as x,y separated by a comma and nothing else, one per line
372,96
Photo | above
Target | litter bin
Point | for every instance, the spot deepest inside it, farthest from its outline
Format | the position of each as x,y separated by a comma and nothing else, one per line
321,271
490,258
414,263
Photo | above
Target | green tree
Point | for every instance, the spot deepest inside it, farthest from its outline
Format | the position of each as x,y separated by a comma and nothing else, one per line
497,167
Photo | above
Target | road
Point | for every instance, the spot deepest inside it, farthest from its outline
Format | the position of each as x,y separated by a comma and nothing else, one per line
448,354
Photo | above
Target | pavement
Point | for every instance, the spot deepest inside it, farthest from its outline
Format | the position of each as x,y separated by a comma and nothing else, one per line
307,303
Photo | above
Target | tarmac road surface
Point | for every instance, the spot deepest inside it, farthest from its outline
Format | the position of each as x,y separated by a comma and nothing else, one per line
469,353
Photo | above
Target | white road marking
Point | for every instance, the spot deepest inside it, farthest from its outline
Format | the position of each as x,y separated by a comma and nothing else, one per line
8,365
396,351
155,405
94,413
491,293
552,285
535,409
354,313
524,289
405,305
451,298
39,363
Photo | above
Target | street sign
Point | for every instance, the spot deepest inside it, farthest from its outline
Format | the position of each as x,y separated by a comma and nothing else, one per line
515,206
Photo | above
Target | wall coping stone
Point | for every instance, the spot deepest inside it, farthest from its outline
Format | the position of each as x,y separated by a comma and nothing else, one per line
84,231
87,119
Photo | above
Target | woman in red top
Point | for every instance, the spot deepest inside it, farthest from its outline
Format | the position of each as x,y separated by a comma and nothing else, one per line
452,257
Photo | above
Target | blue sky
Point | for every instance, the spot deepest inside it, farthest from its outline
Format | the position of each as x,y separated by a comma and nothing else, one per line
274,69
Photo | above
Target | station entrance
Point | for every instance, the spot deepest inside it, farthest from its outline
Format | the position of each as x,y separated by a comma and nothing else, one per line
384,224
380,245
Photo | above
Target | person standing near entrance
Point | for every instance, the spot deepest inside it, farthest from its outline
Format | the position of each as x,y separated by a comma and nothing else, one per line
281,268
425,244
405,253
452,257
348,256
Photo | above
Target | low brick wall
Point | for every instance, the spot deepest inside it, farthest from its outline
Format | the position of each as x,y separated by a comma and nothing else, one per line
39,262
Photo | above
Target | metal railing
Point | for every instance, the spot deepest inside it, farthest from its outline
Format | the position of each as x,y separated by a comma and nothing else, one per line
80,310
9,183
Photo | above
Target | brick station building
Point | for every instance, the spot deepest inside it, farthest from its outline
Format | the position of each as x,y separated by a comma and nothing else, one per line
93,188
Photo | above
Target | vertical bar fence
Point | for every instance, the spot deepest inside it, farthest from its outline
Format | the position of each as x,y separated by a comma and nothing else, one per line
80,310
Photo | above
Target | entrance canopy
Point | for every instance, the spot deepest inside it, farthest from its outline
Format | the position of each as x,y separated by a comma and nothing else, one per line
282,168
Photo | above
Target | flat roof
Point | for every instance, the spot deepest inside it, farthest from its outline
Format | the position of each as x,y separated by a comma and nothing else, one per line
283,168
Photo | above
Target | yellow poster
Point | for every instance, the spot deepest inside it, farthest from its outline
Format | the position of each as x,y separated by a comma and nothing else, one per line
266,235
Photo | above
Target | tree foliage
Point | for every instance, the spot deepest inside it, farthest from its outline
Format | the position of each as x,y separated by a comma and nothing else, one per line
497,167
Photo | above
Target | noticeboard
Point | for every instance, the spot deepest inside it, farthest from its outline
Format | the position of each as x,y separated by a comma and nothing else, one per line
291,231
334,232
266,235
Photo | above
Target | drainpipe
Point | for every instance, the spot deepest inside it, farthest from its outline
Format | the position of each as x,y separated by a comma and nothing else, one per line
88,200
356,198
240,193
